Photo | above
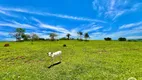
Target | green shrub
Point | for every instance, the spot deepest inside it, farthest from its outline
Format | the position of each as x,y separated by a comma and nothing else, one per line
122,39
107,39
63,38
42,39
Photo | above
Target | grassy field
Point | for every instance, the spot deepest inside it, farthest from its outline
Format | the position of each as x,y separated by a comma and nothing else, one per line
93,60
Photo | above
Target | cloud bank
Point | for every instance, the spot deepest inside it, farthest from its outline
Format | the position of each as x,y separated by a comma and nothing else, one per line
114,8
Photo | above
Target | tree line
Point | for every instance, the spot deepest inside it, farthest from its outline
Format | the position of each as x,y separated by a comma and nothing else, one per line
20,35
119,39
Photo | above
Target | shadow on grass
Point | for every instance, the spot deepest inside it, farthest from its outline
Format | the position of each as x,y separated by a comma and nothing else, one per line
54,64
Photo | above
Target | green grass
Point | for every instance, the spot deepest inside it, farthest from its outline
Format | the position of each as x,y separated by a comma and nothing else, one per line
93,60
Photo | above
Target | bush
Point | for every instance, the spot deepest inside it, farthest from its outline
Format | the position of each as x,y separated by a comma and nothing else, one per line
134,40
122,39
42,39
80,39
72,39
107,39
86,40
77,39
64,38
47,39
20,41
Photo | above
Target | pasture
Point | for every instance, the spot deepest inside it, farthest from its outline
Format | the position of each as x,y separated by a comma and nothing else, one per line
92,60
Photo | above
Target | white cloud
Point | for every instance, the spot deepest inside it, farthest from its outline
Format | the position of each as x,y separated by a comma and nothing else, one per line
97,35
124,33
13,9
2,12
42,35
130,25
85,28
108,29
134,37
4,33
115,35
112,3
9,39
49,14
119,14
56,28
138,28
15,24
137,6
93,28
46,32
62,31
114,8
73,32
5,13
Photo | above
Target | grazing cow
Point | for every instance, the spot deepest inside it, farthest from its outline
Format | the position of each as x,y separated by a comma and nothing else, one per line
64,45
54,54
6,45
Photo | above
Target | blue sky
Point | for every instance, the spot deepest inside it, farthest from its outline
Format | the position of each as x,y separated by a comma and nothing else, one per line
100,18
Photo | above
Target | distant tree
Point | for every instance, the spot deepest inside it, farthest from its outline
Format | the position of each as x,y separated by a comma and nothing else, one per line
80,34
107,39
77,38
72,38
63,38
86,35
42,39
34,37
26,37
46,39
52,36
122,39
68,36
134,40
18,33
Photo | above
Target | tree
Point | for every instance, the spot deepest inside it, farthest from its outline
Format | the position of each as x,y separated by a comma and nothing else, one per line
80,34
52,36
18,33
26,37
107,39
63,38
34,37
68,35
122,39
86,35
42,39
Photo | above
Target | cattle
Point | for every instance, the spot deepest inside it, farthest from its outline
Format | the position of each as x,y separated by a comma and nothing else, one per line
6,45
54,54
64,45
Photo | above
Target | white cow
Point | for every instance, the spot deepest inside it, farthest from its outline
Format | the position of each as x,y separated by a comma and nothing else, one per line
55,54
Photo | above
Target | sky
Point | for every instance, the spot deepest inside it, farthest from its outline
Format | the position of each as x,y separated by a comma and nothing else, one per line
99,18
